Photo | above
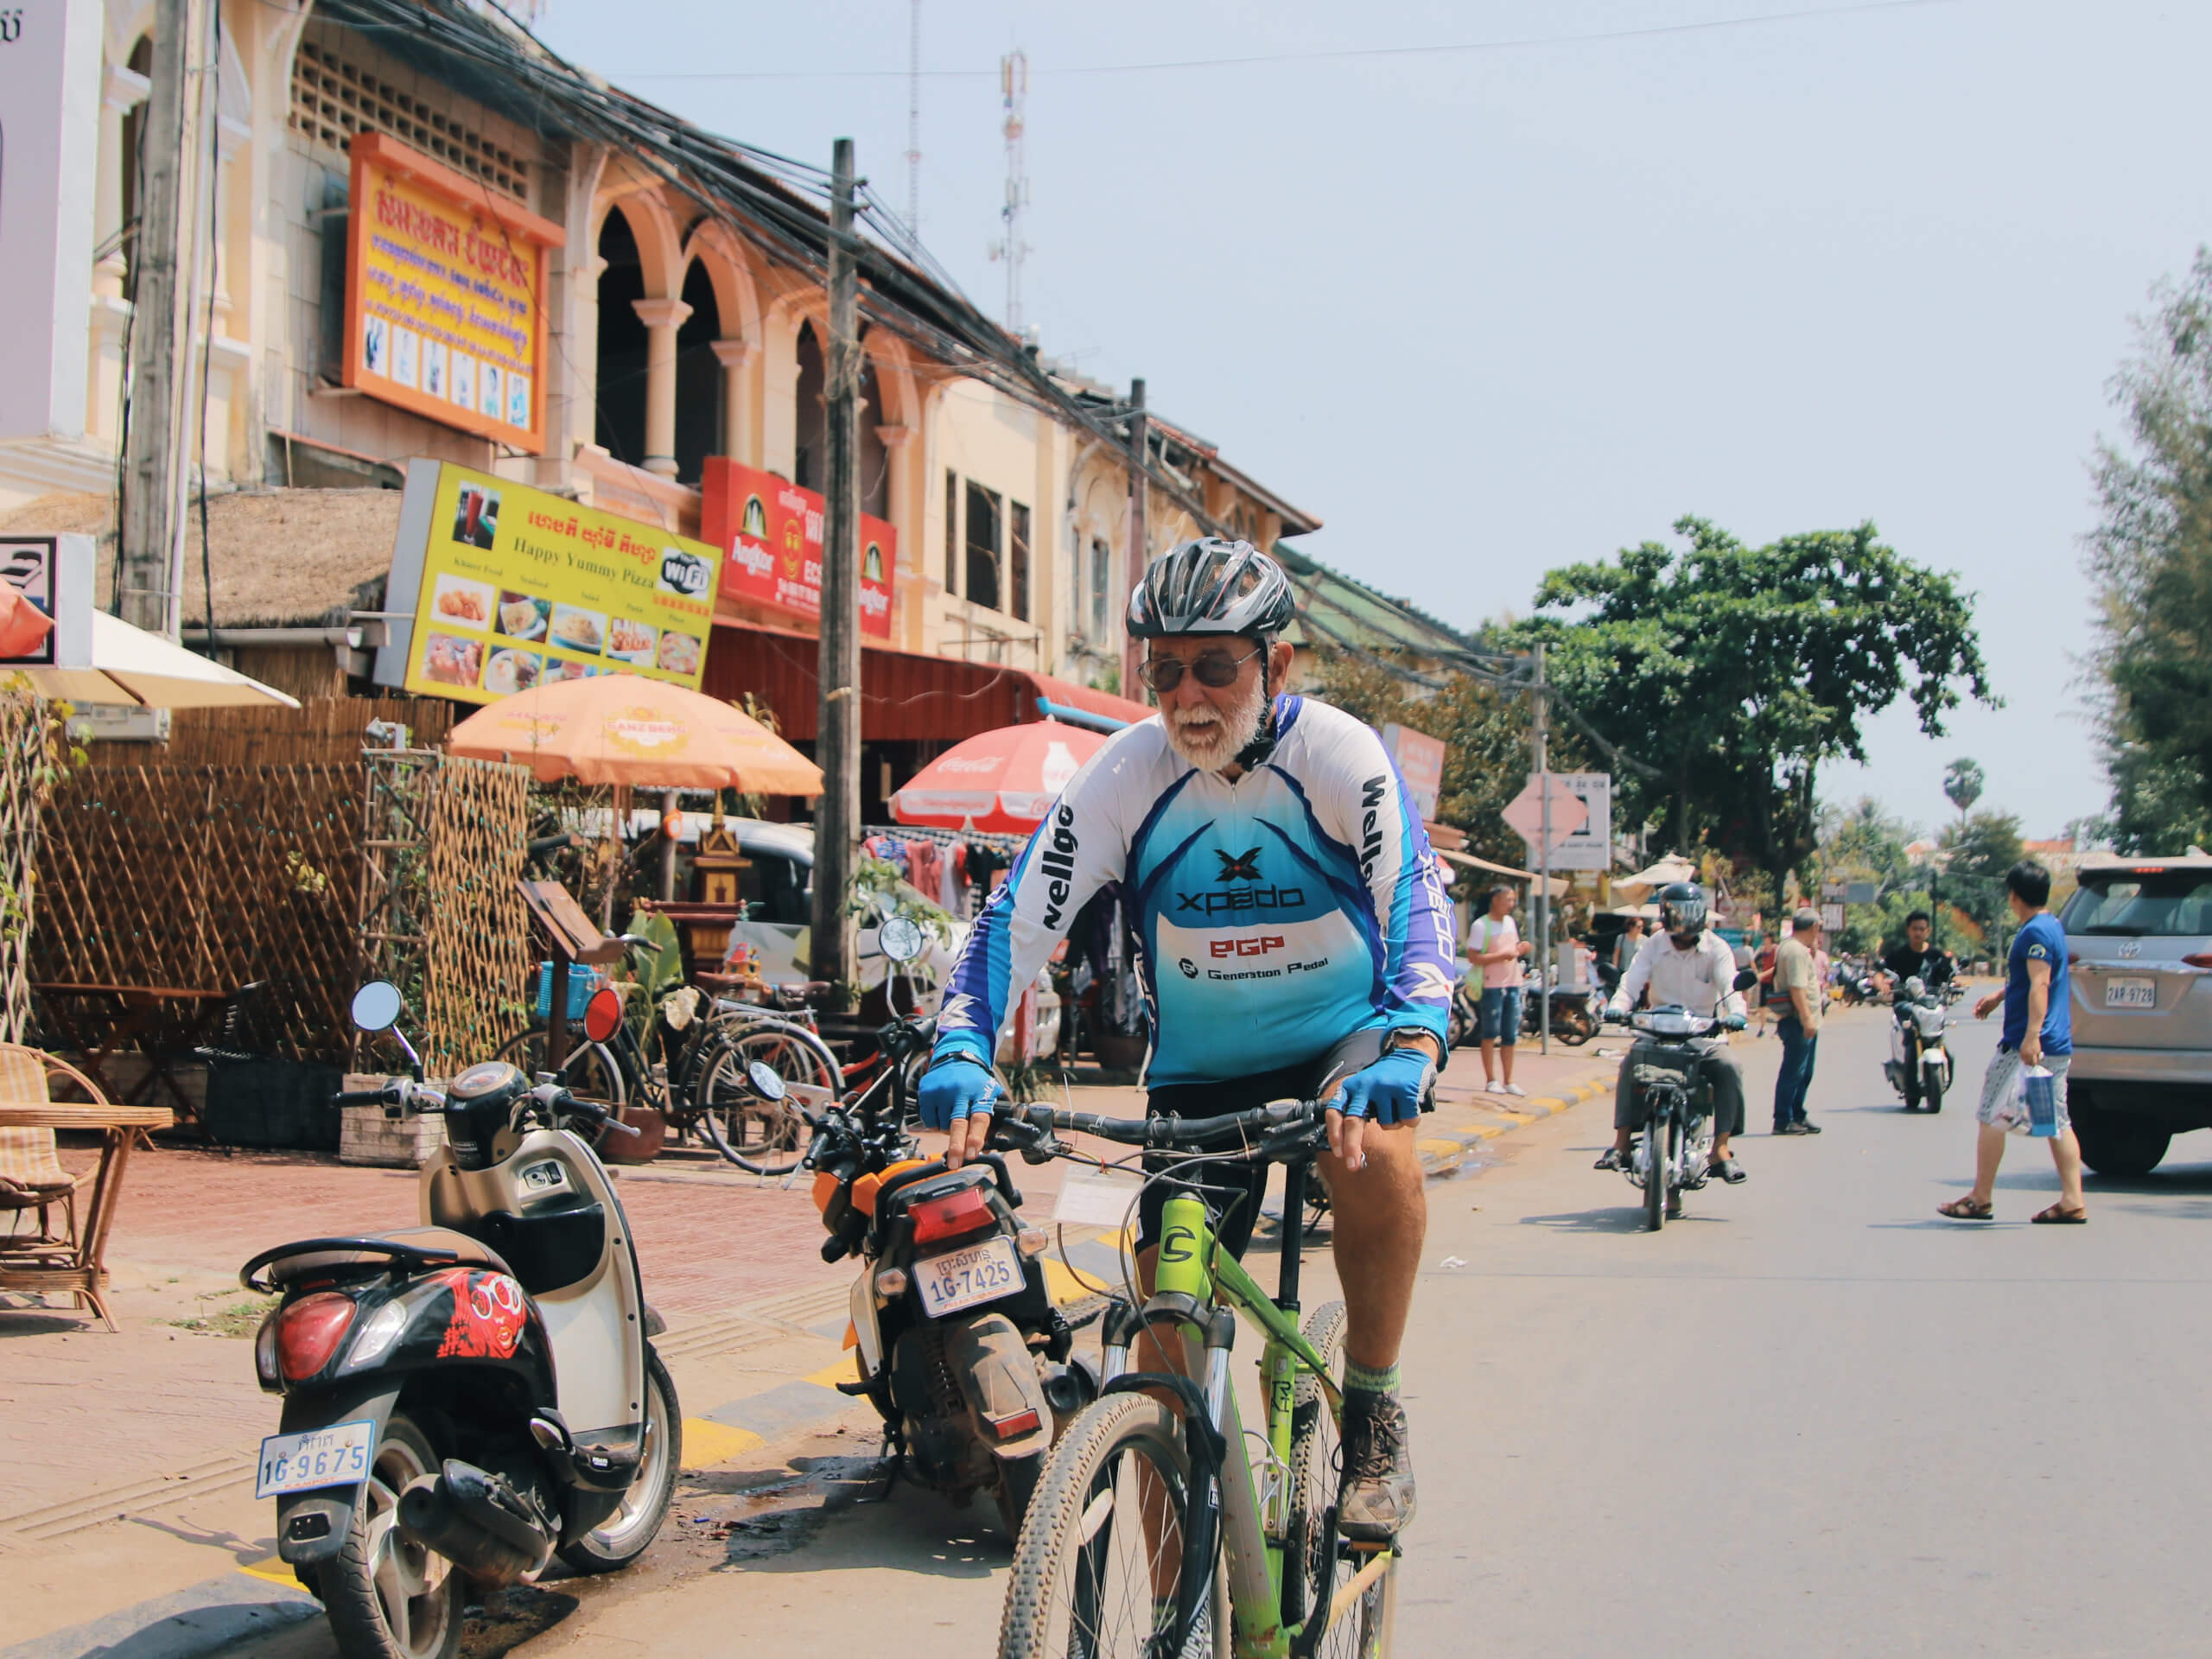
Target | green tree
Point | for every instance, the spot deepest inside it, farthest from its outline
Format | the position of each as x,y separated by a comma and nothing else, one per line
1975,853
2151,556
1484,732
1962,783
1862,842
1735,672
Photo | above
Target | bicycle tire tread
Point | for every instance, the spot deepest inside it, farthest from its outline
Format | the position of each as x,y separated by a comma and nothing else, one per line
1059,1504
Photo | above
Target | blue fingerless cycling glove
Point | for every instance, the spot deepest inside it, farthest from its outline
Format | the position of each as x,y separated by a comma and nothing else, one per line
953,1088
1390,1091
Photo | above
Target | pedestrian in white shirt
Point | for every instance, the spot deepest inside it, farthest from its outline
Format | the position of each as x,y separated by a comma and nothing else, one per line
1496,947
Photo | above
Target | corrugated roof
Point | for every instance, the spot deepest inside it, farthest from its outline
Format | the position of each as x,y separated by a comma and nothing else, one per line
1334,609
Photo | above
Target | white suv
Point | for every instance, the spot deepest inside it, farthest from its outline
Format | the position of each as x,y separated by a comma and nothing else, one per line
2139,939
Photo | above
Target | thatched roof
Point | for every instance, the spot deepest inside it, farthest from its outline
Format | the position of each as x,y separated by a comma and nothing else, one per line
280,558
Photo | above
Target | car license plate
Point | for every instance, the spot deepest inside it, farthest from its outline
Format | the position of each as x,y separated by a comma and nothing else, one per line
962,1278
338,1456
2131,992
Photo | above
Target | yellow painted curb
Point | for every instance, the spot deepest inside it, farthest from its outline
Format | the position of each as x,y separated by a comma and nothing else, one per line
707,1443
846,1368
275,1570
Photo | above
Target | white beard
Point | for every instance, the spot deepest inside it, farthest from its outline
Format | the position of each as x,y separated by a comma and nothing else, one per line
1210,737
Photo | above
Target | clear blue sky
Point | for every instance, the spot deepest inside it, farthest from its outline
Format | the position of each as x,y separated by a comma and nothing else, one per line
1489,312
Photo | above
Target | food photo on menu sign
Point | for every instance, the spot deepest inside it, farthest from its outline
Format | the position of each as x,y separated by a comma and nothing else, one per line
519,588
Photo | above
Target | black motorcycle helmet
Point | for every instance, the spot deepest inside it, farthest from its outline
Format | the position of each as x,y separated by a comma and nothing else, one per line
1682,908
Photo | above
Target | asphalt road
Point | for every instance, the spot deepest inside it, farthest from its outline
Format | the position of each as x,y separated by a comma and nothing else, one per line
1810,1419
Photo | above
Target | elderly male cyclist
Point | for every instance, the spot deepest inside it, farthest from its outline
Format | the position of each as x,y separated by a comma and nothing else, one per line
1687,967
1296,944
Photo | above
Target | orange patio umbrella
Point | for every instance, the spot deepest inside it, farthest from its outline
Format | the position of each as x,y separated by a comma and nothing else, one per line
623,728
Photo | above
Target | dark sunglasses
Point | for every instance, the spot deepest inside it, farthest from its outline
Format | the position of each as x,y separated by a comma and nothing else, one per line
1215,668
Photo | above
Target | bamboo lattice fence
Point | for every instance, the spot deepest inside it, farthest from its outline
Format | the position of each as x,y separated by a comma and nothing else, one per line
442,916
322,732
209,878
22,756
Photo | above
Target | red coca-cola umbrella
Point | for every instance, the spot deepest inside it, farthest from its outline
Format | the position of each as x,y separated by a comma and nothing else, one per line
1004,780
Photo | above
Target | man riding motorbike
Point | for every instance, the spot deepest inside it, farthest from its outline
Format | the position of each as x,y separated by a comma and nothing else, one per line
1296,942
1687,967
1916,957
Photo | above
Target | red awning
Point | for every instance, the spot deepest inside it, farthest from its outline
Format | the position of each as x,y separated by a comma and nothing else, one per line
903,695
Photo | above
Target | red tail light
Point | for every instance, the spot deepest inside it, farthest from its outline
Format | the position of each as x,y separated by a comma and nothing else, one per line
950,1217
310,1330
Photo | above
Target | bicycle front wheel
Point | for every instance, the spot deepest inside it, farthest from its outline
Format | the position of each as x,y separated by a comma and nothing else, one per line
766,1137
1317,1563
1098,1571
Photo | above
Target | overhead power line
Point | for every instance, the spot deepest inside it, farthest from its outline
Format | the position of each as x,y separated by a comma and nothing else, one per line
1332,55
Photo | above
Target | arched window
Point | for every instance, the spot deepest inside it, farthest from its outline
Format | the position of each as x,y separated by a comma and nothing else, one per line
810,466
134,165
698,378
875,458
620,428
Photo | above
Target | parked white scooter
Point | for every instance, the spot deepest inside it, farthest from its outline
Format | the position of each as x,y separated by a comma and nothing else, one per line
465,1399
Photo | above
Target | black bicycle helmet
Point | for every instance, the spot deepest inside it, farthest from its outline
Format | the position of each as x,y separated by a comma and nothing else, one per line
1213,586
1682,907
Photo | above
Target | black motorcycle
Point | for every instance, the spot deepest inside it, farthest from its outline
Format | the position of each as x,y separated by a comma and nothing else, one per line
963,1351
465,1399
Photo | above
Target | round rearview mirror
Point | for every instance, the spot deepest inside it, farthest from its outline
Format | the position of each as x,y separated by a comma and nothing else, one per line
766,1083
603,1014
901,938
377,1006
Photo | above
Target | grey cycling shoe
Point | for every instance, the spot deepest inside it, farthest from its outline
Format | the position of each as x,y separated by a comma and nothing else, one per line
1378,1491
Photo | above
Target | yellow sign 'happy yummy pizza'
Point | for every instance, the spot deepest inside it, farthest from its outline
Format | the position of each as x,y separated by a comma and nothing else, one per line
511,587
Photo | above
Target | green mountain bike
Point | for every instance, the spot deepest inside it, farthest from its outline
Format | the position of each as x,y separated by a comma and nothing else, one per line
1169,1532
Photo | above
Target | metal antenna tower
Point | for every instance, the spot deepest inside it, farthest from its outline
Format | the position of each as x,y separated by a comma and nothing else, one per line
1013,83
914,121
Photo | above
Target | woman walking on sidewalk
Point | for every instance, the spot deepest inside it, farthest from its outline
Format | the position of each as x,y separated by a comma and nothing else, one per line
1496,947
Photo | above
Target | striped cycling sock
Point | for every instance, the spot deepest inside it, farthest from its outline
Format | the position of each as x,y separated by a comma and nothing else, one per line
1369,1379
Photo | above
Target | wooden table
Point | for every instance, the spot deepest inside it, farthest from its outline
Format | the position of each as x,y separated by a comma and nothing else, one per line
80,1270
138,1011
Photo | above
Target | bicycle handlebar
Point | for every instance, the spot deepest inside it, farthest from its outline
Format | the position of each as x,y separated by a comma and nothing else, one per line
1282,1126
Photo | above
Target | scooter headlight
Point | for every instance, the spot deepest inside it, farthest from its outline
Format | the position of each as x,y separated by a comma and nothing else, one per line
378,1333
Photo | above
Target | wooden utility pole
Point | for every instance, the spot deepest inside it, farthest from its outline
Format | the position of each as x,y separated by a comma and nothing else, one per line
1540,742
838,741
1140,549
160,331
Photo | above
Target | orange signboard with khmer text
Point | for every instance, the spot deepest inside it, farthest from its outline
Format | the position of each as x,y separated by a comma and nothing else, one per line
445,287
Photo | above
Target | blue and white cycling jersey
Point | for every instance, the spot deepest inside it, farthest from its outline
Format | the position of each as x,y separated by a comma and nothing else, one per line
1276,915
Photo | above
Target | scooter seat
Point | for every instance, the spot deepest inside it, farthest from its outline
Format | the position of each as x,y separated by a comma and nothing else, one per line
315,1260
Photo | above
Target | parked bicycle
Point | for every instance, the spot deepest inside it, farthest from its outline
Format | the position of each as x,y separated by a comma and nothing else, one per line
701,1081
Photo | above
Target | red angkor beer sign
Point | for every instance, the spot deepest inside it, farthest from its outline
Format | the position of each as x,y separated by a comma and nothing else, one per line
771,535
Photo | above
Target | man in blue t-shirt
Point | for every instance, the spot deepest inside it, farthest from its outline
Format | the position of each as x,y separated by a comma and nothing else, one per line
2038,1032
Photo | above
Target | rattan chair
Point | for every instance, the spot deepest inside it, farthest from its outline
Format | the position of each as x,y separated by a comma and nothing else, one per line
31,1175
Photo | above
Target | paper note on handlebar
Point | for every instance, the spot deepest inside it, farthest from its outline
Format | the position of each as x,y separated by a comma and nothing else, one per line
1096,1197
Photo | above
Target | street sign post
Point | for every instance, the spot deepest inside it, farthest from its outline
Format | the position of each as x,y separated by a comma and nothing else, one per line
1581,821
1525,812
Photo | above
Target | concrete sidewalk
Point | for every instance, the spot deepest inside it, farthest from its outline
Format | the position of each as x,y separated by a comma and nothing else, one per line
126,1506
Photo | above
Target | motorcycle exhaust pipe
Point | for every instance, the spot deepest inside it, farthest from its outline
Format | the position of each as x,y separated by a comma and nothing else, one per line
475,1520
